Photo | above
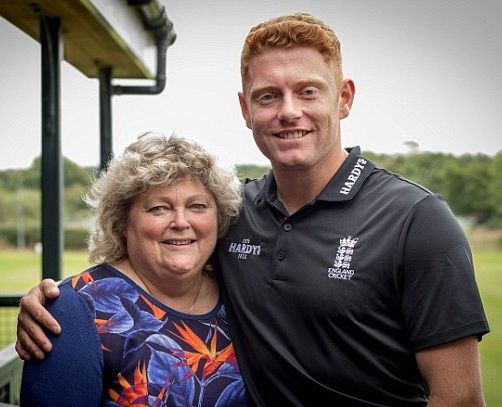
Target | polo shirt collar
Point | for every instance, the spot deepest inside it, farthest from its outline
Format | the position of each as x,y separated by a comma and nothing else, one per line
349,178
343,186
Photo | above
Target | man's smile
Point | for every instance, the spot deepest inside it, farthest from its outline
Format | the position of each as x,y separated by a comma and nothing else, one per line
292,135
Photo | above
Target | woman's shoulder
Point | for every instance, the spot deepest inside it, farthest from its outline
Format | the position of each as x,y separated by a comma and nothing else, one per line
92,274
69,308
75,351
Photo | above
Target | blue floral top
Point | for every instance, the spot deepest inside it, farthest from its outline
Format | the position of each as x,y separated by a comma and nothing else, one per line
146,353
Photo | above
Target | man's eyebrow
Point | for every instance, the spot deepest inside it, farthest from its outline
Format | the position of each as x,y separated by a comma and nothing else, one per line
263,89
314,81
320,83
311,82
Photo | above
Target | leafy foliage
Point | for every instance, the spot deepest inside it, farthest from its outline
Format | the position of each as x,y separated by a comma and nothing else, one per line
20,204
494,192
251,171
29,178
472,185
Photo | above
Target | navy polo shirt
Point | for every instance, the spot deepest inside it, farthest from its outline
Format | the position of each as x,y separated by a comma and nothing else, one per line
330,304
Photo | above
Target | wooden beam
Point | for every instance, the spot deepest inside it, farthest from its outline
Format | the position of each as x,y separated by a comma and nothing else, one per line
90,41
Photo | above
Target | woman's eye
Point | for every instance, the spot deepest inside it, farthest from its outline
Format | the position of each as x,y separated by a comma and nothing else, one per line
198,206
158,209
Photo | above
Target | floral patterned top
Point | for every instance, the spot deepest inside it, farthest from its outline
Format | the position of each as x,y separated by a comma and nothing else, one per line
150,354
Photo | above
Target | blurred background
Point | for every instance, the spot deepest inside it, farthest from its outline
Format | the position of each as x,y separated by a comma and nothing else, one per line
428,106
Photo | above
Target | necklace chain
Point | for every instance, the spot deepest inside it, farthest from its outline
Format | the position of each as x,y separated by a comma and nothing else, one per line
195,298
189,311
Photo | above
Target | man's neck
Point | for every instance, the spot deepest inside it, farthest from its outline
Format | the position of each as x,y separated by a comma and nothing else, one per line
296,187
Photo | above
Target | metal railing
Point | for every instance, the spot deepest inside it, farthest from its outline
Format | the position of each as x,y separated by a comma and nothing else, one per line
9,307
10,363
10,376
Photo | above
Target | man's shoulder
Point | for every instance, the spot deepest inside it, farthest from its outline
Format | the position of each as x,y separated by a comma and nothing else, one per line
253,187
384,181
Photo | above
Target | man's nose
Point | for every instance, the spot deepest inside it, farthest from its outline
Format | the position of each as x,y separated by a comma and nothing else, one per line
290,108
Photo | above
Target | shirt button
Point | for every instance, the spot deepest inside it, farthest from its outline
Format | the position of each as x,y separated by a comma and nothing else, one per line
287,227
280,255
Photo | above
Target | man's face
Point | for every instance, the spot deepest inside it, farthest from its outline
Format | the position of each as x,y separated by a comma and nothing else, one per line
293,105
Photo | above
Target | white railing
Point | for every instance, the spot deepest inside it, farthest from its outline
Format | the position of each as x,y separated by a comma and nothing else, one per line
10,376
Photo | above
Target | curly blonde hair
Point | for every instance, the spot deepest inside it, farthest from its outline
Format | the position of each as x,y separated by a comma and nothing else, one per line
296,30
153,160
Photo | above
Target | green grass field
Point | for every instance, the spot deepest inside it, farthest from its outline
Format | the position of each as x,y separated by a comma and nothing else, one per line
21,270
489,276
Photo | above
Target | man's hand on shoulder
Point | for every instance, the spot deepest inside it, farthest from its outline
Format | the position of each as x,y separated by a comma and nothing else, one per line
32,318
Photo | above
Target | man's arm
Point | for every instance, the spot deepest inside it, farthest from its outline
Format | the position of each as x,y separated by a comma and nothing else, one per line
452,373
31,339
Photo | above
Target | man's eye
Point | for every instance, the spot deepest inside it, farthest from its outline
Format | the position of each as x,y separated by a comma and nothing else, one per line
266,98
309,92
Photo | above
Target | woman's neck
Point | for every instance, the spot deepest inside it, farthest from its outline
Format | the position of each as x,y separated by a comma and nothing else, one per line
196,295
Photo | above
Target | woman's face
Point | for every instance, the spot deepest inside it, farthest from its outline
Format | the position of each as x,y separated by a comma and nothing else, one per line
172,229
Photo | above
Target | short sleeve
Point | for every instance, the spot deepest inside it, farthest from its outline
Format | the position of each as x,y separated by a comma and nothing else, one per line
440,298
71,374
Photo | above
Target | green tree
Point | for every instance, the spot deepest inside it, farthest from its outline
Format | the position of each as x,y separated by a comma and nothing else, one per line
495,189
472,184
463,181
31,176
251,171
73,174
466,185
10,179
76,175
23,203
75,210
6,200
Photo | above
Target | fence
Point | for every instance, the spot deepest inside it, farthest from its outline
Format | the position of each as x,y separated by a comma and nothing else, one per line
10,364
9,307
10,375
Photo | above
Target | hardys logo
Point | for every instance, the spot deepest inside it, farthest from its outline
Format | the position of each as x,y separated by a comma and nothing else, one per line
353,176
341,269
244,249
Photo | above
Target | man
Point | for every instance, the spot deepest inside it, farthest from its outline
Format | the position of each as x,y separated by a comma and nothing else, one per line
344,283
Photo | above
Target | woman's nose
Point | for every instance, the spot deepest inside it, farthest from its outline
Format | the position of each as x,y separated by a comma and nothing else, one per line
179,219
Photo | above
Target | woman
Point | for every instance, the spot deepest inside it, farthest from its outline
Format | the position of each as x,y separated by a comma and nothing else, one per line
146,325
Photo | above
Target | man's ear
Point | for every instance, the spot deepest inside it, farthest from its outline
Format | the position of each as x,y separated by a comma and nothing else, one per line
245,110
347,91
